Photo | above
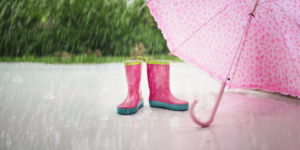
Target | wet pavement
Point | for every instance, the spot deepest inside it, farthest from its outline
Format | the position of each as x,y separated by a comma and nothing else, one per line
72,107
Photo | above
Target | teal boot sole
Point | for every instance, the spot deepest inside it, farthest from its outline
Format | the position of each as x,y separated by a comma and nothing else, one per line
123,111
158,104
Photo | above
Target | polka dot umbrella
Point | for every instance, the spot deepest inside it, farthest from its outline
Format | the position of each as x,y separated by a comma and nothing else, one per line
252,44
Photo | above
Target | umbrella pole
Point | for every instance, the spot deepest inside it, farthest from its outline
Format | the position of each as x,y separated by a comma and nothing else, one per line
211,118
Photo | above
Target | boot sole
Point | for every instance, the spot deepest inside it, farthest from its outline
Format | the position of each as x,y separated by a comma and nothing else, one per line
158,104
124,111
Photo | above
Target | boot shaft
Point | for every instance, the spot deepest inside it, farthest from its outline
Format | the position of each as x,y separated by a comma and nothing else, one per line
134,99
133,75
158,73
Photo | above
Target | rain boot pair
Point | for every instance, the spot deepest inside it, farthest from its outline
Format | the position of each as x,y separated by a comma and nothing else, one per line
158,73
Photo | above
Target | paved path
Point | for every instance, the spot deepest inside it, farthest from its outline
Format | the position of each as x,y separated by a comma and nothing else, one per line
75,107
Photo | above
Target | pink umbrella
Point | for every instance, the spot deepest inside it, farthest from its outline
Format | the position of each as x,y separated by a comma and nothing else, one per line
252,44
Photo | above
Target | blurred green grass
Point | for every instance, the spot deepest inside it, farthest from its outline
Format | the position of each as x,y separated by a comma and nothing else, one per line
82,59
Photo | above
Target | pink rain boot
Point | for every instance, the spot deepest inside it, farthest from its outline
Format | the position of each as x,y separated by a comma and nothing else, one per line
134,99
158,73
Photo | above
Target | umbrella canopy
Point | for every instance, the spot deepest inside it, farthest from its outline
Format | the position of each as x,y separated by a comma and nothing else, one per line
256,51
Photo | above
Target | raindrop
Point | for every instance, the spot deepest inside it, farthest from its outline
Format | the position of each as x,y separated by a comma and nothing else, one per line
148,111
103,118
136,126
61,118
13,118
178,113
49,95
8,143
105,89
67,125
80,128
155,118
27,132
122,125
17,79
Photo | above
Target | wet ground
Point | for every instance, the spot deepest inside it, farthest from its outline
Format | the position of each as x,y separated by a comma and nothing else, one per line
75,107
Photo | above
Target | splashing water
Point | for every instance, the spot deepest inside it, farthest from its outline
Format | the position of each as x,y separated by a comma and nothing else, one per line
79,127
17,79
105,89
148,111
49,95
178,113
104,118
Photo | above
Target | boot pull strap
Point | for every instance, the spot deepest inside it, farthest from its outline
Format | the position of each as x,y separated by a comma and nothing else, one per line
146,59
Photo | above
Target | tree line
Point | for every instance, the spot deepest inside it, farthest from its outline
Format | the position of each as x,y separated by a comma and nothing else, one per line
45,27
